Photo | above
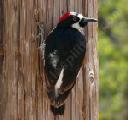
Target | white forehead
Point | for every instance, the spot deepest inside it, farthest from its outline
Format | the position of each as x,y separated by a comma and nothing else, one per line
76,14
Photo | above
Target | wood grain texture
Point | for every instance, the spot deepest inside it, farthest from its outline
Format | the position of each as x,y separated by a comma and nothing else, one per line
22,80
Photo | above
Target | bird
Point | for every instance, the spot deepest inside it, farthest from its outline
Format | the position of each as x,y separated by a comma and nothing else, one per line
65,48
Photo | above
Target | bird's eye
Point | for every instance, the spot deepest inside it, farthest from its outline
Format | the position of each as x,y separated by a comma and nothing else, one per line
74,18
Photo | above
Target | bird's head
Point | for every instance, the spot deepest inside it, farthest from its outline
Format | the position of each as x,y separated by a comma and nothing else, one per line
74,20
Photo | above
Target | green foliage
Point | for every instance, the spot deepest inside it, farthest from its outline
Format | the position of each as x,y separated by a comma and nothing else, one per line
113,52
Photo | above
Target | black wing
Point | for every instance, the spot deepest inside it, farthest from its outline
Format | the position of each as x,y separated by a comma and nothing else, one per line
65,48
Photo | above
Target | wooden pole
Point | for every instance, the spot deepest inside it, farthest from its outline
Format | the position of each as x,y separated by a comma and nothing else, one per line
22,82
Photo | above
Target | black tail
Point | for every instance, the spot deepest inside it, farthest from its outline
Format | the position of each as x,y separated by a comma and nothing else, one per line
58,111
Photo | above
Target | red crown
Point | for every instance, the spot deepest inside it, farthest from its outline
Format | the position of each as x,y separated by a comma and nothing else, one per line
64,17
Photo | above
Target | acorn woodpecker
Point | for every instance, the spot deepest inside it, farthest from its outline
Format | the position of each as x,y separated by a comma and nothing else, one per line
64,53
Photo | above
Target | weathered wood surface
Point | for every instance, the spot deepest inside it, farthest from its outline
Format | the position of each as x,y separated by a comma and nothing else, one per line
22,84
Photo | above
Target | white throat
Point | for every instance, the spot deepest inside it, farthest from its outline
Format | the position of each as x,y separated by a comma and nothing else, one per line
77,26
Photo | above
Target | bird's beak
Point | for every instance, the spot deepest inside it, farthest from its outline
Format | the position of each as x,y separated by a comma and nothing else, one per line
85,20
88,19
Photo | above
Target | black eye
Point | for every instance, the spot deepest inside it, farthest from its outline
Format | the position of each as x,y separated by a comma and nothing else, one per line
74,18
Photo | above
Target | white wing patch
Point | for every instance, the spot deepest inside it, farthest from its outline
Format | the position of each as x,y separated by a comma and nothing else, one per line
54,58
59,81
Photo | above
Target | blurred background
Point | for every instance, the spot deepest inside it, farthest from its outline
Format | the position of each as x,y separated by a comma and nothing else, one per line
113,53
